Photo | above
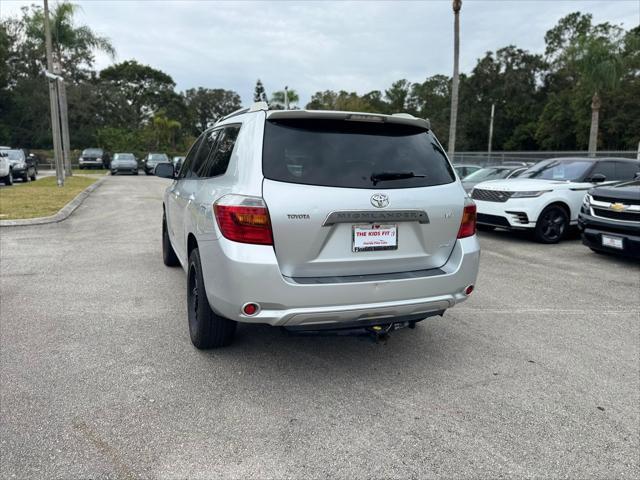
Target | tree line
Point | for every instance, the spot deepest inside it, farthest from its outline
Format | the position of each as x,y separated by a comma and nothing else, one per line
543,101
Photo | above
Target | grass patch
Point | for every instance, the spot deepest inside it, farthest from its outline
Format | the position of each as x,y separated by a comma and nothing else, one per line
88,171
40,198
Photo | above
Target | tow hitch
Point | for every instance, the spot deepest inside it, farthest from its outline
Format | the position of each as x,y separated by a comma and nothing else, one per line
377,333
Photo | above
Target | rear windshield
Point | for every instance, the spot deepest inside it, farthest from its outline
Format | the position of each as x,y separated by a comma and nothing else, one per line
123,156
92,151
339,153
160,157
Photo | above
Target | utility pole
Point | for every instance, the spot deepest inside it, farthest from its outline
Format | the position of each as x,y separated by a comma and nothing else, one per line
286,98
457,5
493,109
53,100
64,121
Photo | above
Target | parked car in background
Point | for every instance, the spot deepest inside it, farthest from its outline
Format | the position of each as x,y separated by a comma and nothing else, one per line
491,173
124,163
153,159
94,158
609,220
367,224
465,170
6,175
547,197
177,163
22,166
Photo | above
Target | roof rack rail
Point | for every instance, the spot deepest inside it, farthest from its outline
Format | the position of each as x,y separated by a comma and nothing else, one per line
240,111
259,106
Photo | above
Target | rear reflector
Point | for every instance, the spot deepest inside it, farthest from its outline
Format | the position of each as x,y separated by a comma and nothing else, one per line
468,224
243,219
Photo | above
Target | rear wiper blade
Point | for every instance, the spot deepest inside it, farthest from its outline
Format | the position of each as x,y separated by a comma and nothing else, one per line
383,176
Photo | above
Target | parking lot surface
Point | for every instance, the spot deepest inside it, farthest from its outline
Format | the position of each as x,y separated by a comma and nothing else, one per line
536,375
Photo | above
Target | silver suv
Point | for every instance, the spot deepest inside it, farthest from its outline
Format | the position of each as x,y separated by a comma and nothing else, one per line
317,220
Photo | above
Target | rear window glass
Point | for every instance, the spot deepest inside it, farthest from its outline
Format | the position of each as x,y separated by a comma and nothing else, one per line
339,153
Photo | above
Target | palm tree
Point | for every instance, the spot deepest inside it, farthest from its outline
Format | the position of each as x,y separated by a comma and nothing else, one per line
72,45
599,63
457,5
280,101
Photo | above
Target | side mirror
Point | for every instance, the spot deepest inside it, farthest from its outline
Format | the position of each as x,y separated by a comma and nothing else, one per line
165,170
637,176
597,178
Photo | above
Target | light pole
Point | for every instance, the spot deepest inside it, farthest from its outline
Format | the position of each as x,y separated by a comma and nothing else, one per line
286,98
493,110
53,100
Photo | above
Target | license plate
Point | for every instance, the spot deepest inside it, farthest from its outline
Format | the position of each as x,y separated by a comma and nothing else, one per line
369,238
613,242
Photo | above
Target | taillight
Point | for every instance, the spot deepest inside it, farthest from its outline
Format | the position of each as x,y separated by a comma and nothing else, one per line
468,224
243,219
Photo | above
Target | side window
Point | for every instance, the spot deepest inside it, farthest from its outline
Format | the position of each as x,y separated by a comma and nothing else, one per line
219,159
627,170
186,165
605,168
206,146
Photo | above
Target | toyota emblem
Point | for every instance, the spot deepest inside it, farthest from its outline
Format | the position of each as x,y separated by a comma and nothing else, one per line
379,200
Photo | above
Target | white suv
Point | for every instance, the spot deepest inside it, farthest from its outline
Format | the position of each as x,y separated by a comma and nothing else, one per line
317,220
547,197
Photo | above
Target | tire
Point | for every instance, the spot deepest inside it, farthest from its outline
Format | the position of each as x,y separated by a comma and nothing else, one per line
33,175
485,228
135,172
207,330
169,256
113,172
146,172
25,176
8,180
552,224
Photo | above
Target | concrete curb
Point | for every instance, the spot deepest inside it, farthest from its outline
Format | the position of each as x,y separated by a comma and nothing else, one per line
64,213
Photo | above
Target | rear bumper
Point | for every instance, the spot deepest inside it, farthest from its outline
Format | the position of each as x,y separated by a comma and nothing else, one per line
593,228
91,163
124,169
236,274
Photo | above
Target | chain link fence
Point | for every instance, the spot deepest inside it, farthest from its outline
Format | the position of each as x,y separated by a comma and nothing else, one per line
498,158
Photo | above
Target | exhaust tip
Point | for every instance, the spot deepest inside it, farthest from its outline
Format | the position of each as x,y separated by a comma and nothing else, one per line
250,309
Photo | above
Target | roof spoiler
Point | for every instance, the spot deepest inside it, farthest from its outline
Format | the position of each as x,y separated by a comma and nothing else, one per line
400,118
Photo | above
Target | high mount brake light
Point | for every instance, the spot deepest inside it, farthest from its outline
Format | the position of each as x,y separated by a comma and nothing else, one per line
468,223
243,219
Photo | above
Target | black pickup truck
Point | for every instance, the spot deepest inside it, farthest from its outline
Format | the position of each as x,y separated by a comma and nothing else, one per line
610,219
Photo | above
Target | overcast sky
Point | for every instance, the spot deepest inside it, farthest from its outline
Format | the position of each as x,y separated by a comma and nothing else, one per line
312,46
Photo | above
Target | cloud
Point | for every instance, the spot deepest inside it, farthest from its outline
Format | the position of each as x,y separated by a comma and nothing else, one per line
312,46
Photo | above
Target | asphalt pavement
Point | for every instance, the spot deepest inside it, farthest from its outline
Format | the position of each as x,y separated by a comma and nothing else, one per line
537,375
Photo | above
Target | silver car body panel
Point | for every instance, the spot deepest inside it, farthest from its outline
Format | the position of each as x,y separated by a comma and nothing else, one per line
282,278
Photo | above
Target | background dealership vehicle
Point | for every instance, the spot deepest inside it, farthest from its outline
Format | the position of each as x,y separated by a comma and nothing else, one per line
315,220
6,175
123,163
491,173
609,220
23,166
94,158
547,197
153,159
465,170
